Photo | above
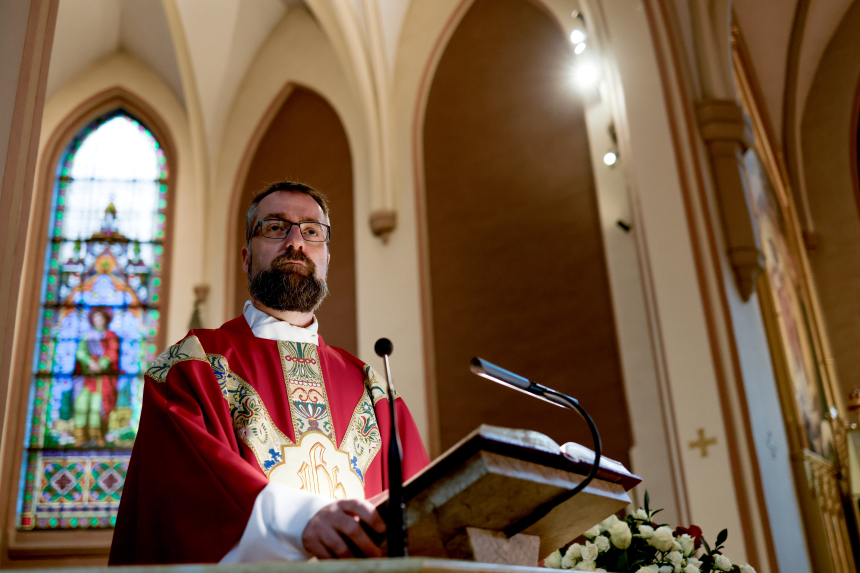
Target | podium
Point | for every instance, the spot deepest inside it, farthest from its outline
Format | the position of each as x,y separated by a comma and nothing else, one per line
460,505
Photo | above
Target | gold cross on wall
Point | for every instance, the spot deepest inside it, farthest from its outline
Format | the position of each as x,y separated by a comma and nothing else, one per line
703,442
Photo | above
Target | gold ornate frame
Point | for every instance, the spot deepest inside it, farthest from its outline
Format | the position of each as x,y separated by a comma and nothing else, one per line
820,482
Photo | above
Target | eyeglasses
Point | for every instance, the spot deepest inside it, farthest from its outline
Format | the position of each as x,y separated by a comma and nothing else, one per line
279,229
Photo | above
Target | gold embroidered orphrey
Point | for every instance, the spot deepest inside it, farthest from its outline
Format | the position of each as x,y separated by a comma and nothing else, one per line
312,463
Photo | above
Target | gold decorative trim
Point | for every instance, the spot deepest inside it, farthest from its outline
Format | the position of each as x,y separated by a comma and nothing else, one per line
187,349
251,421
363,439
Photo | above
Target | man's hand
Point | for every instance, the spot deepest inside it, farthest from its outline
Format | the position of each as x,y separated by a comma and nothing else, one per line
324,534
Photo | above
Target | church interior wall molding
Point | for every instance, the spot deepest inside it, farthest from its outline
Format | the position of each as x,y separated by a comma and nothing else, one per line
358,41
734,366
30,34
727,134
654,451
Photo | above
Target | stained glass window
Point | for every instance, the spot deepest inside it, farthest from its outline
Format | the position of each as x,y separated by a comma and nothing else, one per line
101,299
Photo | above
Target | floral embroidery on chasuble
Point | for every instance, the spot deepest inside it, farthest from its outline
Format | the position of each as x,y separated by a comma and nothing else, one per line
313,462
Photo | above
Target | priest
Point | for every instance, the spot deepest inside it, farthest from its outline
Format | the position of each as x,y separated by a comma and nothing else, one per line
257,440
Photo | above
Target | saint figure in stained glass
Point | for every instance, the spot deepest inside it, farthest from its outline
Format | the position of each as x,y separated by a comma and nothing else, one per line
98,325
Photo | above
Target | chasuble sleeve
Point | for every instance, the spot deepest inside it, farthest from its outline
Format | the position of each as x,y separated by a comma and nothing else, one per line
188,492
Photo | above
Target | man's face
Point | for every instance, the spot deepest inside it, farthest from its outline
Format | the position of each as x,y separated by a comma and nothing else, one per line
285,274
99,321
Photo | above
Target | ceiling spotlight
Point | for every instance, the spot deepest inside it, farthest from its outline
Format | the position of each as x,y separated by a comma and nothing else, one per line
577,36
586,74
579,48
610,158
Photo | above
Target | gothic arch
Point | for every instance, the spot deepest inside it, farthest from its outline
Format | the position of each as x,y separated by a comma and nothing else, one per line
829,164
95,543
549,178
323,160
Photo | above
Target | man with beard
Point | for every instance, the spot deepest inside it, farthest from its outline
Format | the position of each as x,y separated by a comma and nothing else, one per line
258,441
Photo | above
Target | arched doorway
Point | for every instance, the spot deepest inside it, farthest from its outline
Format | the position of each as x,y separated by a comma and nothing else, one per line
517,268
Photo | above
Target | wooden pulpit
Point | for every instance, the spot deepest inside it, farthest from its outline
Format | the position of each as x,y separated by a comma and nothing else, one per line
460,505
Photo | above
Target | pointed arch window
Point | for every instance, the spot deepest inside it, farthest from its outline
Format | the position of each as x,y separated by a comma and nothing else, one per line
99,319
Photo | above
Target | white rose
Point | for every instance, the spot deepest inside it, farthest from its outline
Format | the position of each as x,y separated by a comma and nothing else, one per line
694,562
687,543
666,569
585,566
553,561
675,545
648,569
645,531
572,556
722,563
607,523
691,569
602,543
620,535
747,568
589,552
640,515
675,557
593,532
662,539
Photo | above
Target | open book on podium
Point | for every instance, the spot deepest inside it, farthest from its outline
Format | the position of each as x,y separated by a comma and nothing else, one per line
460,505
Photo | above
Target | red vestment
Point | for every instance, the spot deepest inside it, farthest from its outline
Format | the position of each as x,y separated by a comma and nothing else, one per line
209,403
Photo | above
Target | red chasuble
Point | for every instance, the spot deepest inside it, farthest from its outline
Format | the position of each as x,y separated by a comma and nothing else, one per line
224,413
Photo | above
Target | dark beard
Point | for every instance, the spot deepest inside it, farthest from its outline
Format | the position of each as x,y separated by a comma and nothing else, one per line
288,287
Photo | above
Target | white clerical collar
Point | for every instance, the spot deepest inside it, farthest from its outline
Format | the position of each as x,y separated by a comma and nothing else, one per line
267,326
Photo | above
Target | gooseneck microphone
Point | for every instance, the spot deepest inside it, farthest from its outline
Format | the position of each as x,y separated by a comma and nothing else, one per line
396,518
492,372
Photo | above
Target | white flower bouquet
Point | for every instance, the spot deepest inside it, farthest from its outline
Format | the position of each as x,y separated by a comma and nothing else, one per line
638,545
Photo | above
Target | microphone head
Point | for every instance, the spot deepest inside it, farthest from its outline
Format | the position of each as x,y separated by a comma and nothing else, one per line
383,347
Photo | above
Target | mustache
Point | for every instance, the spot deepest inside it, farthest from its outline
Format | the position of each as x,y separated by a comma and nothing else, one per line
280,262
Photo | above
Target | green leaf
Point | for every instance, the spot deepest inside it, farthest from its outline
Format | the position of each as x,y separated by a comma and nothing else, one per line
707,547
647,501
721,538
622,562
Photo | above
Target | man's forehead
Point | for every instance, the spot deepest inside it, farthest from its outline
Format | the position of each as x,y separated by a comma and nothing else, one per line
290,205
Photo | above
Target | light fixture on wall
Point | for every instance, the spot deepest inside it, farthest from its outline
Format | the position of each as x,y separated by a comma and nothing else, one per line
578,34
585,73
611,156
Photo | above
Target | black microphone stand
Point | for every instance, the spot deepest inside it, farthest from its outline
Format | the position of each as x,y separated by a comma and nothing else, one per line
396,522
492,372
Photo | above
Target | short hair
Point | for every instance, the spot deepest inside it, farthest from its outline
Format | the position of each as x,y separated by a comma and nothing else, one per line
286,186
